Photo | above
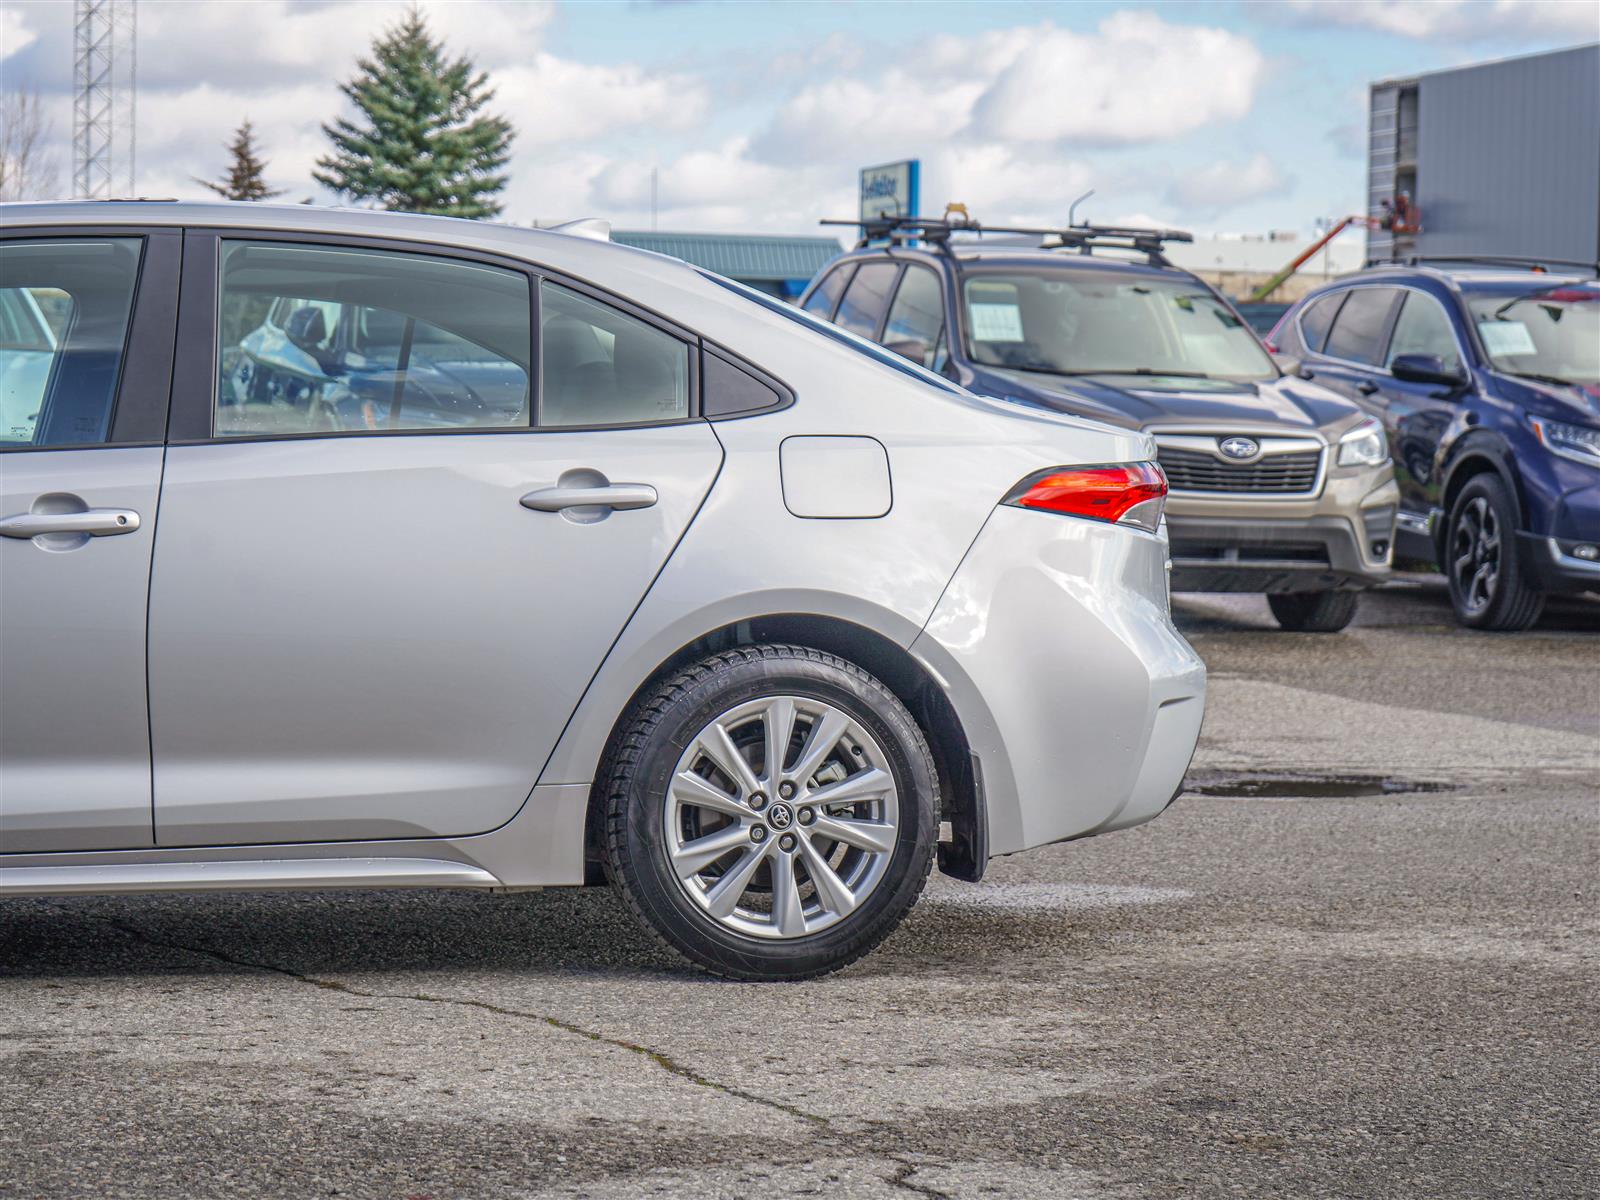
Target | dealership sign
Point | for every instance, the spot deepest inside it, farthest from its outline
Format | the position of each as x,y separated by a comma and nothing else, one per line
890,190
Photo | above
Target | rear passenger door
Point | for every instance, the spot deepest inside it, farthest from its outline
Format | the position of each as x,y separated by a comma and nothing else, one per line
86,329
411,500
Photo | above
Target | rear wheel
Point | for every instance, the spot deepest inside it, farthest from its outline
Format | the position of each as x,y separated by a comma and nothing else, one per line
770,812
1313,612
1481,560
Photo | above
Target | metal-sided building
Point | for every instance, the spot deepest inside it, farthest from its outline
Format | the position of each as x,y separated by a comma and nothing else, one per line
779,266
1499,158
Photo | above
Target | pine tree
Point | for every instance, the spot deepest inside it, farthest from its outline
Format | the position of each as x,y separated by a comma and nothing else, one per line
246,177
421,142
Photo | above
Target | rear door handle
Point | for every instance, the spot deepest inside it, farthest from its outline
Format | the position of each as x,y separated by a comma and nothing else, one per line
1366,387
610,495
96,522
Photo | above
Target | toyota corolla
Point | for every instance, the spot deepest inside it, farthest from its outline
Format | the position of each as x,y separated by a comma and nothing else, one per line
364,550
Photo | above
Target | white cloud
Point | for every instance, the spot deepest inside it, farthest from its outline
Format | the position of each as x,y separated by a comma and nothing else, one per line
1456,20
1031,85
551,99
1136,79
15,35
1224,185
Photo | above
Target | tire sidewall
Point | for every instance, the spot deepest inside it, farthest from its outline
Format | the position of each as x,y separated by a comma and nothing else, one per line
641,850
1509,585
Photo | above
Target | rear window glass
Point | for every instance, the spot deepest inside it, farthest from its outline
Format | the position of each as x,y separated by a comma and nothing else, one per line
1358,332
866,298
1318,319
826,296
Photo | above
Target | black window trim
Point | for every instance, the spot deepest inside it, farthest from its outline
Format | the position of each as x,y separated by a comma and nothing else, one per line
194,380
143,392
785,393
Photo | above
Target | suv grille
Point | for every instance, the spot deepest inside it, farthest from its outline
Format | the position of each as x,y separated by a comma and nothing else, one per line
1196,471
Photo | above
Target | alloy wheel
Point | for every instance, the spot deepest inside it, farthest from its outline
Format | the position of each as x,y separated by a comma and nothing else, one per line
781,817
1475,555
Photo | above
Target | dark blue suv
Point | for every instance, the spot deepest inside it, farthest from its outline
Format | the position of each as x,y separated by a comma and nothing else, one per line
1486,377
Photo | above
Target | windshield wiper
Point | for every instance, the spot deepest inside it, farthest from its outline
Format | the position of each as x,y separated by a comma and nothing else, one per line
1138,371
1538,378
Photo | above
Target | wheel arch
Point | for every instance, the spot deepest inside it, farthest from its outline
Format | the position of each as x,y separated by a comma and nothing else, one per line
1472,457
960,788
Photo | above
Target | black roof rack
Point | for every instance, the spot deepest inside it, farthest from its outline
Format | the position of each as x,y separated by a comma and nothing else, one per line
936,231
1486,260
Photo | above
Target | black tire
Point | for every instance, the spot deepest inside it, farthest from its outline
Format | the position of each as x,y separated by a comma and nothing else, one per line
1482,534
639,769
1314,612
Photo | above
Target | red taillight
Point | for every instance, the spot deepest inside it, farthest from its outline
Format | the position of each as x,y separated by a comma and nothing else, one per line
1127,493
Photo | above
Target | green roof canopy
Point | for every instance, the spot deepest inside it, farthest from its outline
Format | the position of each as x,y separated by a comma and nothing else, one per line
768,258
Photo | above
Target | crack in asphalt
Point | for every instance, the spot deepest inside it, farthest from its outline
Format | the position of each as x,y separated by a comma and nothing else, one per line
902,1179
660,1059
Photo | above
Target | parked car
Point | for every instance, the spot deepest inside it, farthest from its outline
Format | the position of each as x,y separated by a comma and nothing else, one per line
673,585
1260,316
1487,380
1278,485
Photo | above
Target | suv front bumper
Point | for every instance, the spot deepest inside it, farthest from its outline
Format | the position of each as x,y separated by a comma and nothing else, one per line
1343,537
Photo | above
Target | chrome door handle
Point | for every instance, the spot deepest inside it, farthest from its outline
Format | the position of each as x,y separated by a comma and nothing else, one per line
1366,387
610,495
96,522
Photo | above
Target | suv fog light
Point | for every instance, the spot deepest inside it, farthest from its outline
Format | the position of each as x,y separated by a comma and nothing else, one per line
1586,551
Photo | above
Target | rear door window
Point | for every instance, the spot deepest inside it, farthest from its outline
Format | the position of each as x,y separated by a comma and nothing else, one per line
1358,332
916,319
321,339
865,299
64,312
601,366
822,300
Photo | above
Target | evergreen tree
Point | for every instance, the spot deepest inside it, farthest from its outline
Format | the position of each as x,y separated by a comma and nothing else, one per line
420,142
246,177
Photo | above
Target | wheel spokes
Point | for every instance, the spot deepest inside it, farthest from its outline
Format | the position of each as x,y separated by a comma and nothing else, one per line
870,784
716,744
689,788
693,857
723,898
787,912
832,892
874,836
778,722
825,733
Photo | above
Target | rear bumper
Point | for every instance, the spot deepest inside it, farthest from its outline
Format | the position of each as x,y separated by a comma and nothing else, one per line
1056,648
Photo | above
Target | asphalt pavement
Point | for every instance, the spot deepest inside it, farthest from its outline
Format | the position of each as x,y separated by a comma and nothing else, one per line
1358,958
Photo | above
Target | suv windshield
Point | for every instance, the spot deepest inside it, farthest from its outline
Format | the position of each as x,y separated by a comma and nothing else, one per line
1551,333
1088,322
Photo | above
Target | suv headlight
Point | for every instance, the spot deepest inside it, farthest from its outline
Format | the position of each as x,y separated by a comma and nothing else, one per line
1569,441
1364,446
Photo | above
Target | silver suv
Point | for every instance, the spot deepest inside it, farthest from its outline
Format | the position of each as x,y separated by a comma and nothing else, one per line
361,550
1278,485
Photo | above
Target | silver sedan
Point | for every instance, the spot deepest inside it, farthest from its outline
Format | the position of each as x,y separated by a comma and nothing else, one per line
363,550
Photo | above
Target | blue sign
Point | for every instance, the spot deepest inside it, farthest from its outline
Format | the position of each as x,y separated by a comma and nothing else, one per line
891,190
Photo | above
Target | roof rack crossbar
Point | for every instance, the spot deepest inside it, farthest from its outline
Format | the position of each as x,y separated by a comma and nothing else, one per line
936,231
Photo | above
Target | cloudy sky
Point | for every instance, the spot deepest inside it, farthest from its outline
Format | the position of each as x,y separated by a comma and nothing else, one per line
1215,116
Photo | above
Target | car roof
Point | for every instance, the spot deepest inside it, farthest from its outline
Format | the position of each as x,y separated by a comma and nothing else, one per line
1465,276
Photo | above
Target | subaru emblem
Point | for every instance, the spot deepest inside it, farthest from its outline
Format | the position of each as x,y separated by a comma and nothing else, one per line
1240,447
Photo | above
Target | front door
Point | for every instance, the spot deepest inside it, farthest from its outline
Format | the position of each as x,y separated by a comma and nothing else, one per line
85,370
394,559
1416,415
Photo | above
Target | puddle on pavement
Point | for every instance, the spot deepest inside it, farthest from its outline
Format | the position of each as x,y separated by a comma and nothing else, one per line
1254,785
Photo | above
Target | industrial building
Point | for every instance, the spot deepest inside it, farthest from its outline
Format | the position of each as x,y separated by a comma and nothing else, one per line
779,266
1499,158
